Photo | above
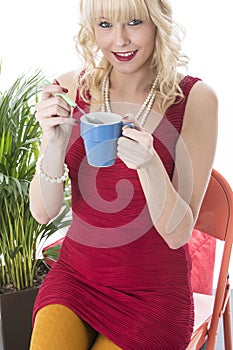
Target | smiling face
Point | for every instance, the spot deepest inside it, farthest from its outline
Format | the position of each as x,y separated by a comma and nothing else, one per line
132,35
129,45
123,31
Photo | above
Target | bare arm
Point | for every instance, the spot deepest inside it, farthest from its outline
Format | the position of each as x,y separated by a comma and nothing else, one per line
46,199
174,206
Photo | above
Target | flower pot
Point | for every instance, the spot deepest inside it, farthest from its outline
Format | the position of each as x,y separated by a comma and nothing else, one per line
16,319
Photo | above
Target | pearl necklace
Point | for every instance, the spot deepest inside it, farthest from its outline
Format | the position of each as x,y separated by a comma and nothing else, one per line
145,108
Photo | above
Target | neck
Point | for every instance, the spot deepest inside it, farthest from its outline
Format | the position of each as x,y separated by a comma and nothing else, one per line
131,84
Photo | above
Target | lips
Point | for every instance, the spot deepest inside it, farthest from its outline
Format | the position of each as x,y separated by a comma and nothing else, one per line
125,56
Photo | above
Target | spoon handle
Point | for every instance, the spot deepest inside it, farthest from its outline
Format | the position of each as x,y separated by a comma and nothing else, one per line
93,120
68,100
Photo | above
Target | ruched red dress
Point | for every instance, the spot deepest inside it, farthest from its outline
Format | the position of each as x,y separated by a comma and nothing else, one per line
115,271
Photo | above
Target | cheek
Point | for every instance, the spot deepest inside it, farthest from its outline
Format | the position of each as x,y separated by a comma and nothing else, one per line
150,39
98,38
102,43
102,39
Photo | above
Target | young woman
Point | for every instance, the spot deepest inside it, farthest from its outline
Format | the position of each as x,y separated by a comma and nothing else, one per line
123,277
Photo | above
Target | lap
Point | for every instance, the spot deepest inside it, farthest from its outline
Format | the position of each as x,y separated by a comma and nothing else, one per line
57,328
103,343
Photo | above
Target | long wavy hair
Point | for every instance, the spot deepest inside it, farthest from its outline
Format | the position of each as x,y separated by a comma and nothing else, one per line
167,55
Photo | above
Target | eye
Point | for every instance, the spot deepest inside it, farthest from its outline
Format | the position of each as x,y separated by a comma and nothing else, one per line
105,24
134,22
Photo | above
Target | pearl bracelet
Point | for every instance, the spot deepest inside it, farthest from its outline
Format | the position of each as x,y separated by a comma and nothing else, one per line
53,180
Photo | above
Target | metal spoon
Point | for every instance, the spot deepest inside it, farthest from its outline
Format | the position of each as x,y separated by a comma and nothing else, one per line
73,104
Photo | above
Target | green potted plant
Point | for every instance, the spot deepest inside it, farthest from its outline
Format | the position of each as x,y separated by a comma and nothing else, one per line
21,269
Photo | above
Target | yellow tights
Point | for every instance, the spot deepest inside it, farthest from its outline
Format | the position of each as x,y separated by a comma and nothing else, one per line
59,328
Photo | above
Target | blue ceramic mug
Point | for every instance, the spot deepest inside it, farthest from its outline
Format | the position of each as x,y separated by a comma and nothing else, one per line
100,132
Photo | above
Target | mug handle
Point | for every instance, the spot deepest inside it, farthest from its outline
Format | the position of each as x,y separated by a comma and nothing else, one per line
131,125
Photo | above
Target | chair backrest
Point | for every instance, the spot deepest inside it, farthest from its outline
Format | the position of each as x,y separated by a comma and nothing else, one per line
216,213
216,219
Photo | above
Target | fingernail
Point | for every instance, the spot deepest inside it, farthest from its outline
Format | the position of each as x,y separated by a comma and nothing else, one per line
65,89
56,82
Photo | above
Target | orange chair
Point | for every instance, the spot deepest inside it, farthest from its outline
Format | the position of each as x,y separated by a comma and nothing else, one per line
216,219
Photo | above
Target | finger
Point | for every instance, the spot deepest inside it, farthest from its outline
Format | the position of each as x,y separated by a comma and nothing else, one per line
136,154
129,146
47,123
51,89
128,149
53,102
133,134
56,82
70,121
52,112
130,118
141,137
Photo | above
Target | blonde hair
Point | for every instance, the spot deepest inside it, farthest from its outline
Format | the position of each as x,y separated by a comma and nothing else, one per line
167,56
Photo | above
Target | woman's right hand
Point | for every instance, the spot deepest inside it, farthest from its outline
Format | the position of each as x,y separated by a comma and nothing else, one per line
54,114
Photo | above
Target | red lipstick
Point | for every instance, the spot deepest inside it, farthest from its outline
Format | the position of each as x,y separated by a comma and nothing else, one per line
125,56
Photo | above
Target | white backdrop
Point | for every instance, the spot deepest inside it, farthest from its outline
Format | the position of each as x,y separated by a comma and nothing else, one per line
40,35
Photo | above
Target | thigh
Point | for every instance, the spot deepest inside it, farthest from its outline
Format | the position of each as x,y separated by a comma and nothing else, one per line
103,343
59,328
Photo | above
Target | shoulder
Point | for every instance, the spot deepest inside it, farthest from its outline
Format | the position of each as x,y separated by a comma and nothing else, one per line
202,104
69,80
202,92
190,84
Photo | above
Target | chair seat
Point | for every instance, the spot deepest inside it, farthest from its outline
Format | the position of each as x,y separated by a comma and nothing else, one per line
203,309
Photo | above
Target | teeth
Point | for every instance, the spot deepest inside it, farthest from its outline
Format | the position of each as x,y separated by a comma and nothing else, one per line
127,54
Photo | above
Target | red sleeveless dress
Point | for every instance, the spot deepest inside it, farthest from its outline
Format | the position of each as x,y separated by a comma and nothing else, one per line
115,271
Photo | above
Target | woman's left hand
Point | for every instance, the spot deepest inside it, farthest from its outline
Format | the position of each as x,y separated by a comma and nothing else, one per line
135,147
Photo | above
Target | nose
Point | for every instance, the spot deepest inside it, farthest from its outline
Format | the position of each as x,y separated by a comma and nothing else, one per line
121,35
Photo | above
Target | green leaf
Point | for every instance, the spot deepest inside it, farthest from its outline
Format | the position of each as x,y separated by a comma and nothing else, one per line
20,134
52,253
